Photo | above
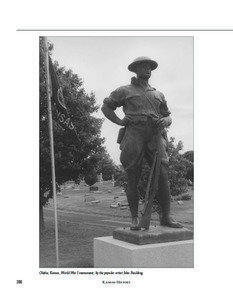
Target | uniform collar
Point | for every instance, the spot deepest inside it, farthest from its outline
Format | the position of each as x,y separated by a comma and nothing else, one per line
135,81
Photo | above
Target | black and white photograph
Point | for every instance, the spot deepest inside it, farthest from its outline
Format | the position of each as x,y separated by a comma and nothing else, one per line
116,156
116,162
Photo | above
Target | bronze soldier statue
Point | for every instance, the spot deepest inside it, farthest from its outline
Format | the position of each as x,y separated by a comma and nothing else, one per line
146,117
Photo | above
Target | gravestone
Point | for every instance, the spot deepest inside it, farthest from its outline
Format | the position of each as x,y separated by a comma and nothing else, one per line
89,198
93,188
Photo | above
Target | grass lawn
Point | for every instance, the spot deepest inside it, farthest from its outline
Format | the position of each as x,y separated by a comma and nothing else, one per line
79,221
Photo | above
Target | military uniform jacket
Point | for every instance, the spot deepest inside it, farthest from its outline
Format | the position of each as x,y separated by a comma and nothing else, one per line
137,101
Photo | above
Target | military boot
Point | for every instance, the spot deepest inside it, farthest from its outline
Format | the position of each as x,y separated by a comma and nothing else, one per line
164,198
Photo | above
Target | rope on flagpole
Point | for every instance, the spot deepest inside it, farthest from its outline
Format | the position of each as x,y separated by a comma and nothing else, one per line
51,146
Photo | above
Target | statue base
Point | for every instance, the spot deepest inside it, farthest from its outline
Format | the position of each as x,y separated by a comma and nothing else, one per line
158,234
158,247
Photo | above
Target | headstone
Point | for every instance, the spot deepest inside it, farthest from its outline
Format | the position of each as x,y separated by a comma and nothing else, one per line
88,198
94,188
113,180
100,177
95,201
114,205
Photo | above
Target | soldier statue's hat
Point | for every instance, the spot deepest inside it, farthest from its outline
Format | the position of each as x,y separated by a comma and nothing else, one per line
141,59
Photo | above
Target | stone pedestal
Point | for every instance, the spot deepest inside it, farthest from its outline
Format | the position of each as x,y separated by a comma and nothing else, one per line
159,247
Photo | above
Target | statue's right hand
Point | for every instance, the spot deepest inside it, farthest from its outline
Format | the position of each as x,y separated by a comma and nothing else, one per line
126,121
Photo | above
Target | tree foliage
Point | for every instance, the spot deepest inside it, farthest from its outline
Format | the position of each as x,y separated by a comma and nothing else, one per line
91,177
74,157
189,155
106,166
178,166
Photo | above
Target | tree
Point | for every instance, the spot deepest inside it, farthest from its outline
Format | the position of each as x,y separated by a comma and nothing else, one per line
91,177
73,157
120,177
189,155
178,166
106,166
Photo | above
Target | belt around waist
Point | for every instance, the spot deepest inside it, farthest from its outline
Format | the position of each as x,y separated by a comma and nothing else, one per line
142,119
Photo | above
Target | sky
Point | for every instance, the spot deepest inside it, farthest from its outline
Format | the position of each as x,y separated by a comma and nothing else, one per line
102,62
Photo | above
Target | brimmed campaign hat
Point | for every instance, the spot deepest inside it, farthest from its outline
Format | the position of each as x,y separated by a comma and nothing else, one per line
141,59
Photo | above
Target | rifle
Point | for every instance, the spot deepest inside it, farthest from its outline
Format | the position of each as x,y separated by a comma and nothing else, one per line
151,189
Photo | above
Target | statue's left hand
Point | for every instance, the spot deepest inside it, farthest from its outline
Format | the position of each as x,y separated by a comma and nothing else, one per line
164,122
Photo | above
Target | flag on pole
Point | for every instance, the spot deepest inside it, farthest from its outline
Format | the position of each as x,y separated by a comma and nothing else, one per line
50,123
61,113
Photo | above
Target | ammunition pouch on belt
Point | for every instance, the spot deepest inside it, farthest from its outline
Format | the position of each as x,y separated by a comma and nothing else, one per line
139,120
121,134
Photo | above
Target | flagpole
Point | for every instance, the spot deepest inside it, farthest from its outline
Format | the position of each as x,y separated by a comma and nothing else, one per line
51,146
